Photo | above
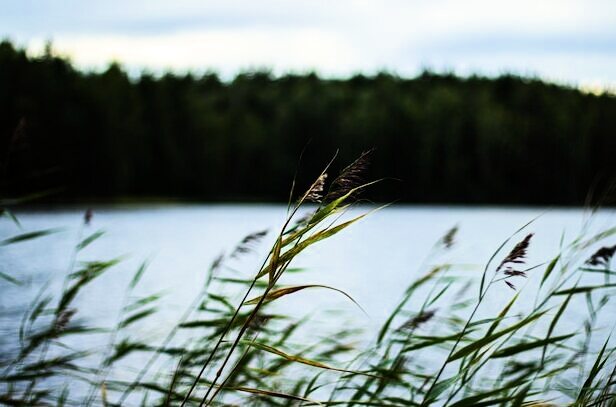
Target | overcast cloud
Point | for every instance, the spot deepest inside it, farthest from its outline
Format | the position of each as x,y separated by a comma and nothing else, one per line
566,41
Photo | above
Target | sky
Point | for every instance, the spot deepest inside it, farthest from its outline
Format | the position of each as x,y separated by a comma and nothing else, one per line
564,41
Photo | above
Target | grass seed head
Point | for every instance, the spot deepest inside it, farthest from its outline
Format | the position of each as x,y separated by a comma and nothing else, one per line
351,177
248,243
315,193
449,238
87,217
602,257
518,254
418,320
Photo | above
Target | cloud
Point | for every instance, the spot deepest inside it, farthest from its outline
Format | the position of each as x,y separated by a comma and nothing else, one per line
225,51
566,40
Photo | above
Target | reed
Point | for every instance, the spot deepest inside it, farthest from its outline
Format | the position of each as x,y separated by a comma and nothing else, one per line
442,345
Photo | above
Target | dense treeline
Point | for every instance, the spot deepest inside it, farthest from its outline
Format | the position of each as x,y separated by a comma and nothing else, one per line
446,139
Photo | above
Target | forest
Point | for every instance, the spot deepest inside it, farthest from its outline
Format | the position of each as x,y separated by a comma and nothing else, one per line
437,138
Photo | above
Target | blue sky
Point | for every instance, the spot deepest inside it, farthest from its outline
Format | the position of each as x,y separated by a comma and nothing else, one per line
571,42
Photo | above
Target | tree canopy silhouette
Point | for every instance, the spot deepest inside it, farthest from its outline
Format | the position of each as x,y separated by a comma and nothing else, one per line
447,139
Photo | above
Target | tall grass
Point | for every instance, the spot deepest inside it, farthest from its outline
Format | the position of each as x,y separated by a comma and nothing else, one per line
549,343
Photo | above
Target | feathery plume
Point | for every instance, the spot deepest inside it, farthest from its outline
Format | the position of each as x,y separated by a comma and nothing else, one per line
351,177
602,256
418,320
514,273
248,243
87,217
516,256
315,193
449,238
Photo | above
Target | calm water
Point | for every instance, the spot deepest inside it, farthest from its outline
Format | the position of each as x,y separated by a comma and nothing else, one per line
373,260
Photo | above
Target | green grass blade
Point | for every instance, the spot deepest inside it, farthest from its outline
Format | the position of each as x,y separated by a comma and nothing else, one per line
89,240
281,292
467,350
526,346
28,236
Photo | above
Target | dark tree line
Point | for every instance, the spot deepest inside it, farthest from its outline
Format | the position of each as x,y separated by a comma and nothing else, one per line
443,138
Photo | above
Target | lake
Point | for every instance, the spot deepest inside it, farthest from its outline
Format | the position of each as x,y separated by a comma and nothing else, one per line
373,260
